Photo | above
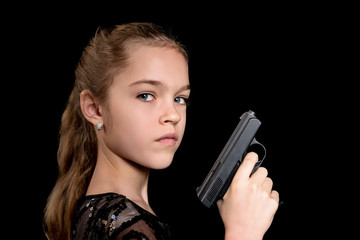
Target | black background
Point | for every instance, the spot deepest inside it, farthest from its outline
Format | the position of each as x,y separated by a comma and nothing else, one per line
291,64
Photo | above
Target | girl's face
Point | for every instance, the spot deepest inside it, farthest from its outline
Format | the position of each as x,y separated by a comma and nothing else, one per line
146,108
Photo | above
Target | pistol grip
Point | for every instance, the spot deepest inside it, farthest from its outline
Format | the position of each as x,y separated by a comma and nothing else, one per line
229,180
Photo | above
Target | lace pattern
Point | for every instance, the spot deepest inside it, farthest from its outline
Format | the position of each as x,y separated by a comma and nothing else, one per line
113,216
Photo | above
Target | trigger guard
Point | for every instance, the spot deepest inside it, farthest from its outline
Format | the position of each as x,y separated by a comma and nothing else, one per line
259,162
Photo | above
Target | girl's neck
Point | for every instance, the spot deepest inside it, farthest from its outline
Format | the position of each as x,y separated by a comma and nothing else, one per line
114,174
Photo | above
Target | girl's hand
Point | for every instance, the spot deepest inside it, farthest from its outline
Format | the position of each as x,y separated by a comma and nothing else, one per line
249,205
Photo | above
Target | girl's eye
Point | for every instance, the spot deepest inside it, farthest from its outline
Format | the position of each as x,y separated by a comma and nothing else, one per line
146,97
181,100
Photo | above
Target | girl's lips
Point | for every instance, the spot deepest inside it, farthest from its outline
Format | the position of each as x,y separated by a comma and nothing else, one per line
168,139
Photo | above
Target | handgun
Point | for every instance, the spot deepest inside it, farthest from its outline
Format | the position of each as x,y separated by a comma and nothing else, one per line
222,172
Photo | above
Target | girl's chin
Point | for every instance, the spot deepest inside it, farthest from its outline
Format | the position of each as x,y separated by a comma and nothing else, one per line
157,161
161,165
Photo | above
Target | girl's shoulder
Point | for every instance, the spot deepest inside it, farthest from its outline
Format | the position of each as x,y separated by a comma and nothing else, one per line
112,216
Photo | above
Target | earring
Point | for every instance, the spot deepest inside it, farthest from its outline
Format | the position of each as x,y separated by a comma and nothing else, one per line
99,126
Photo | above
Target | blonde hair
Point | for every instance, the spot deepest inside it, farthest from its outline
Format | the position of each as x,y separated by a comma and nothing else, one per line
102,59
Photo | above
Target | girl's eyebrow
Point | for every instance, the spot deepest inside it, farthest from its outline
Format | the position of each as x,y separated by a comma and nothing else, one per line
145,81
157,83
184,88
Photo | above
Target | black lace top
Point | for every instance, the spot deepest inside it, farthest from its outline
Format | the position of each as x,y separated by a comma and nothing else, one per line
113,216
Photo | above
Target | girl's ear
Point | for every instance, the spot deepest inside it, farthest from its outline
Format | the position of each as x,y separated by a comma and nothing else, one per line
90,107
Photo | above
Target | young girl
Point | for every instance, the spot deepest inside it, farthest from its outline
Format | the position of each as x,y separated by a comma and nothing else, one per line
126,115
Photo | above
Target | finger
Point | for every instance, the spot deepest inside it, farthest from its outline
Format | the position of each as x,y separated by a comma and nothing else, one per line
275,195
268,184
259,175
246,167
